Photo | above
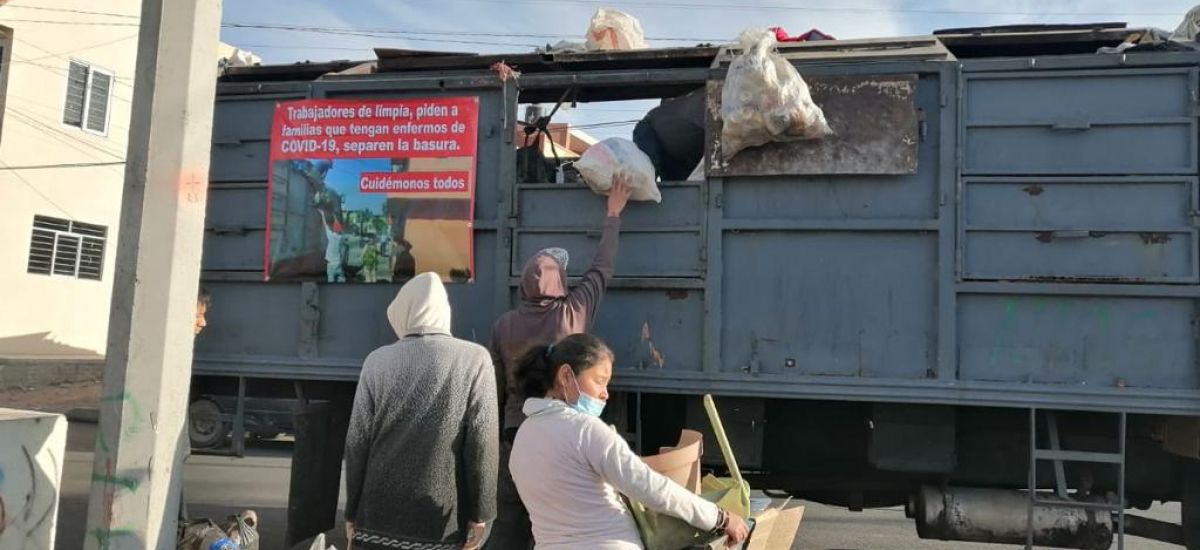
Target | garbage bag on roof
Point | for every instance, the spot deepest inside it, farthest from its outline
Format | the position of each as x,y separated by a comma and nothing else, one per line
1189,28
614,156
765,99
615,30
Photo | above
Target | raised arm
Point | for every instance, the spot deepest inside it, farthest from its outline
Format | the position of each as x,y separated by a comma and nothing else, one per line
586,296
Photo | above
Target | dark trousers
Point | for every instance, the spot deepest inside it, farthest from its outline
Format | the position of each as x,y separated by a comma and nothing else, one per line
511,530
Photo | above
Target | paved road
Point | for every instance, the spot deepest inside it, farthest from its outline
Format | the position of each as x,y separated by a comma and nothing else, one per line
260,482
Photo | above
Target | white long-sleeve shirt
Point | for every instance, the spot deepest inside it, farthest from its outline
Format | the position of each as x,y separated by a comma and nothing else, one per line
570,468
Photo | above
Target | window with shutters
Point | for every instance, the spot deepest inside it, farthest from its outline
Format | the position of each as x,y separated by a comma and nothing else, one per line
67,248
89,92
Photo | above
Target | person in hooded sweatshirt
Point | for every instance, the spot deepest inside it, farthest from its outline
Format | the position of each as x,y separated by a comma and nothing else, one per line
421,451
548,313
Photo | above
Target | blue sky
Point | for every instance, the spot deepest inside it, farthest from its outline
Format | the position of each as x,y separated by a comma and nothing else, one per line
478,21
344,178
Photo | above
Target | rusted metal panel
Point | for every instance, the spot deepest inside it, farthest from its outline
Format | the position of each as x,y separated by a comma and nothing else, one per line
876,131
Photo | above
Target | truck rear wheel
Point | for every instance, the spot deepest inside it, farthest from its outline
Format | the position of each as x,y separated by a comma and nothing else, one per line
205,427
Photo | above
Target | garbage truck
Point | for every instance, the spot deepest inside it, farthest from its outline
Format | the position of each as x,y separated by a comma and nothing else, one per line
976,300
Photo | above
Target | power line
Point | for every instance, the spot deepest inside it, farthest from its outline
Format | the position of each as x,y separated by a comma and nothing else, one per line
603,110
368,34
63,165
358,32
60,71
79,23
34,188
31,120
63,72
62,138
56,109
849,9
300,47
660,4
89,47
81,12
609,124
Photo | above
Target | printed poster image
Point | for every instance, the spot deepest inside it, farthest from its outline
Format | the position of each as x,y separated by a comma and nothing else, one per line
372,191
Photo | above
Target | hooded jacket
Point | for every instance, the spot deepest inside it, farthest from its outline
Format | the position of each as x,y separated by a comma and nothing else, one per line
548,313
422,447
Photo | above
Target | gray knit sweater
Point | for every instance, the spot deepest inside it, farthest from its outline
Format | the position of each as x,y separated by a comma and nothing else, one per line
422,450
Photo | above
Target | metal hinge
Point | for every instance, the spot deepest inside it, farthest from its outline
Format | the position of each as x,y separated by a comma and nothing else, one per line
717,200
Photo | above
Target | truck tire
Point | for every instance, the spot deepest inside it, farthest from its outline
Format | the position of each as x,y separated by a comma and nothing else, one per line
205,427
1191,504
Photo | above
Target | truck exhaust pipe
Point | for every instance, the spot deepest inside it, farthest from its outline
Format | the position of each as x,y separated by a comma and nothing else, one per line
1000,516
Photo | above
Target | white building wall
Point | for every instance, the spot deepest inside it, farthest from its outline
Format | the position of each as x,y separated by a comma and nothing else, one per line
53,169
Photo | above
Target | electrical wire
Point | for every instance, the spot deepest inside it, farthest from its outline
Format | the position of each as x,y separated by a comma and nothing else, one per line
75,23
85,48
58,110
34,188
845,9
66,10
31,120
385,31
62,165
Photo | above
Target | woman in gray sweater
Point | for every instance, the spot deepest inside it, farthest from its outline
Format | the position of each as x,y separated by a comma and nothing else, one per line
422,449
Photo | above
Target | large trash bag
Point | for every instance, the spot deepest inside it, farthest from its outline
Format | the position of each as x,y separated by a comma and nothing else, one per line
765,99
615,30
614,156
1189,29
240,532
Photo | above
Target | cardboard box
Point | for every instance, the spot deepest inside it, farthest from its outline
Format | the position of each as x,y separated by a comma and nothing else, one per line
776,528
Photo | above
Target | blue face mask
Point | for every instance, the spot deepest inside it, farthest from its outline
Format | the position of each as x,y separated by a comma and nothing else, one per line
586,404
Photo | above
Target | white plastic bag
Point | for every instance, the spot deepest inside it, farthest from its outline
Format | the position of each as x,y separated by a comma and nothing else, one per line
617,155
615,30
1189,29
765,99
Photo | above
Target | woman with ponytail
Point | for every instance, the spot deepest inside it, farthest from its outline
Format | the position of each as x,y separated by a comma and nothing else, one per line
570,467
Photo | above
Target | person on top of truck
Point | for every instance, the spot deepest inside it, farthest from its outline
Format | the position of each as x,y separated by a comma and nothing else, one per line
571,468
548,313
421,449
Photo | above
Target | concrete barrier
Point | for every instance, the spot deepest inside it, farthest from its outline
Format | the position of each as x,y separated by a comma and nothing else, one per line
31,467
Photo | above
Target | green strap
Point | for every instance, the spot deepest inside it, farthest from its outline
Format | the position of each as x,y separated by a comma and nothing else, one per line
719,429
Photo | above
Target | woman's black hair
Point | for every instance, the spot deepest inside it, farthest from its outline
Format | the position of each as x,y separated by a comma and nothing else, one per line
540,364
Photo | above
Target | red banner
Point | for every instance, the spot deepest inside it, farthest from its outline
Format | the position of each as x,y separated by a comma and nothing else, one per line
372,190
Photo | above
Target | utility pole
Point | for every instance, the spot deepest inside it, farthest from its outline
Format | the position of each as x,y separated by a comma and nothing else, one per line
142,439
